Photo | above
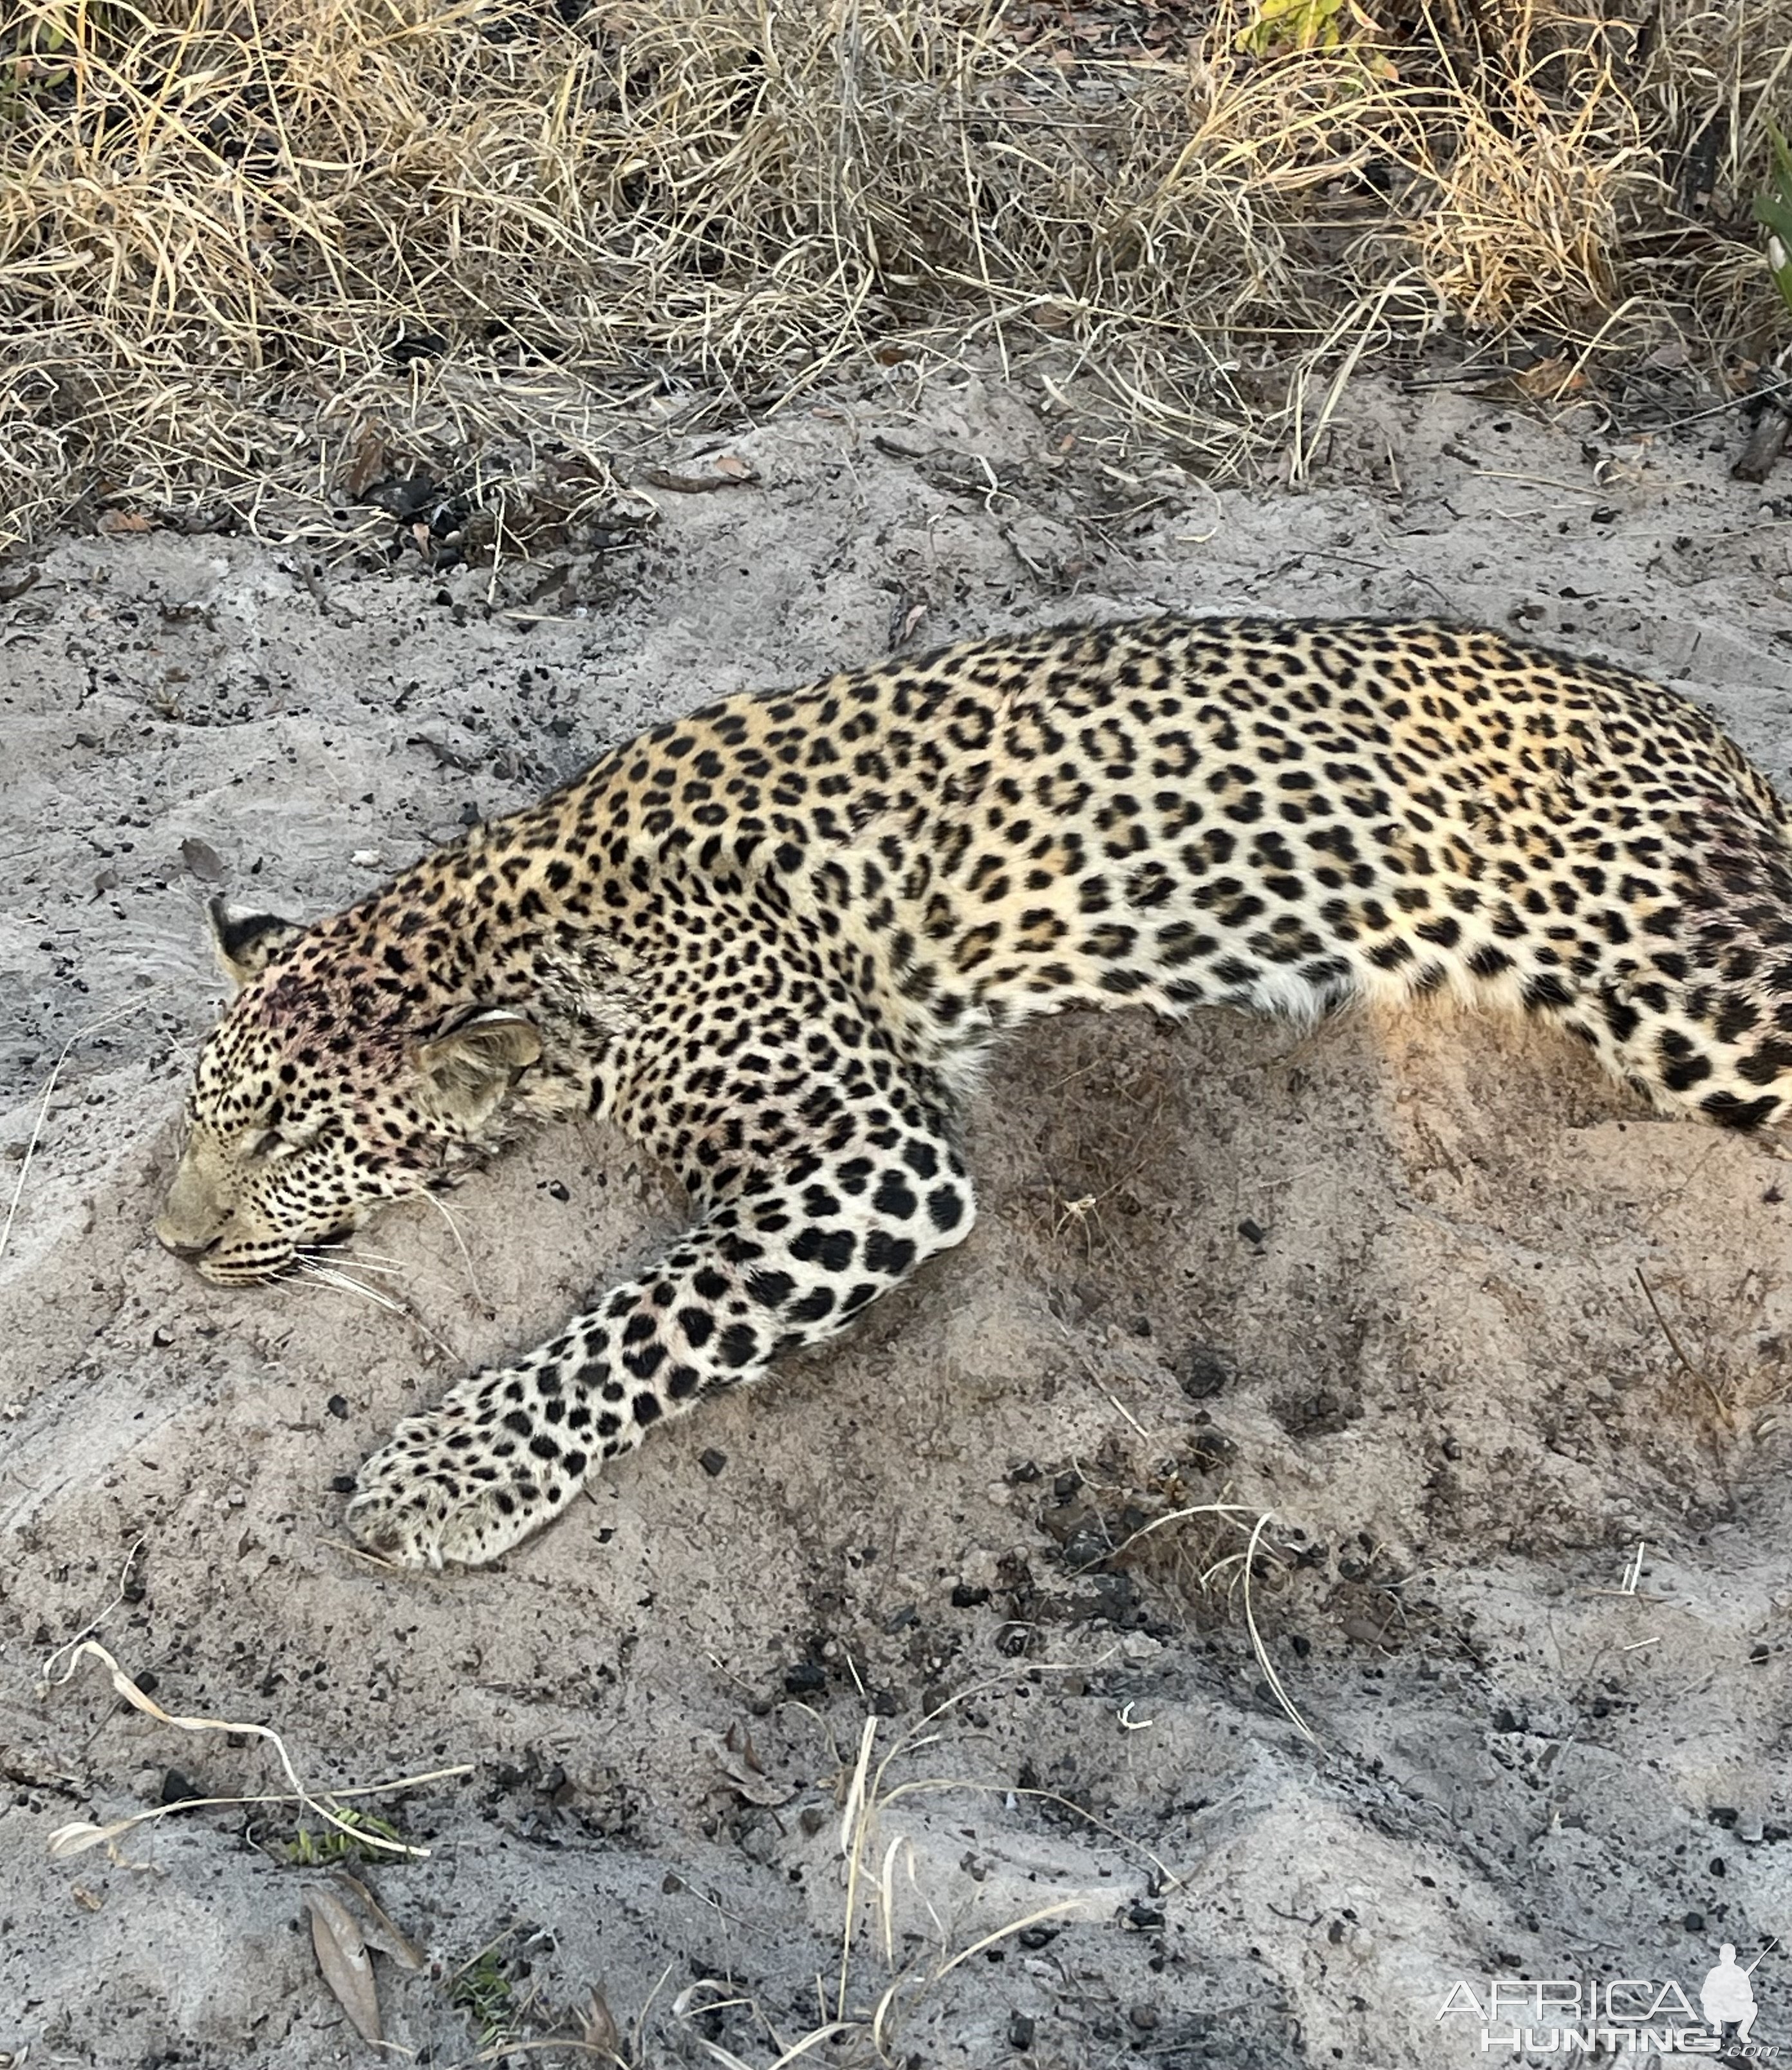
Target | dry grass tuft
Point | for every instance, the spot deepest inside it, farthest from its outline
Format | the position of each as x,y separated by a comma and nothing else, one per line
239,239
887,1978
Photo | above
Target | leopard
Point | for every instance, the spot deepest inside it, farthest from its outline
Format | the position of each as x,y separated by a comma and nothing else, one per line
775,942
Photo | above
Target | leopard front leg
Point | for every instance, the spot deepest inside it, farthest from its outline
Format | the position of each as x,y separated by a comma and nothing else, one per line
787,1261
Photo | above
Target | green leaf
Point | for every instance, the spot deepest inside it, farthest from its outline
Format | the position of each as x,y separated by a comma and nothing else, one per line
1776,214
1295,25
1773,209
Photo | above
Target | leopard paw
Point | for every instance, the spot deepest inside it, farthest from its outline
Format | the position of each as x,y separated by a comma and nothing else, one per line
439,1493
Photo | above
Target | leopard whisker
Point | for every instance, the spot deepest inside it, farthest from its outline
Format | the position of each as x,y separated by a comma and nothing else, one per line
383,1266
378,1266
326,1275
477,1291
340,1254
344,1283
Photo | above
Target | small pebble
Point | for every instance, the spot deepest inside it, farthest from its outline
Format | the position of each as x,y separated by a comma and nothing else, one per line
1203,1371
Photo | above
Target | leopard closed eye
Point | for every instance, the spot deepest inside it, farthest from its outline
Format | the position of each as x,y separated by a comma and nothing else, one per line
774,939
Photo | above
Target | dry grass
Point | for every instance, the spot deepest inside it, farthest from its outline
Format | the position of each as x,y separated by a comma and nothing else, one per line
888,1978
241,239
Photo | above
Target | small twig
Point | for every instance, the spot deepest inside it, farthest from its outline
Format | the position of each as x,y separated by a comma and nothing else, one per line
1263,1661
79,1035
99,1618
1692,1371
1778,388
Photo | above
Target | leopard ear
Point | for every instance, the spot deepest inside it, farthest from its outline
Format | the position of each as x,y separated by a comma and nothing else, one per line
469,1067
247,942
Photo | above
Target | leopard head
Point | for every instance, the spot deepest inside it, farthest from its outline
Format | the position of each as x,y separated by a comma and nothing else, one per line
338,1078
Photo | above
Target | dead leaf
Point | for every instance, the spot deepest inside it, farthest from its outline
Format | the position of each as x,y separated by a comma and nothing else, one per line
204,860
381,1931
75,1838
739,1763
116,524
1365,1631
342,1957
733,476
371,463
1550,379
597,2026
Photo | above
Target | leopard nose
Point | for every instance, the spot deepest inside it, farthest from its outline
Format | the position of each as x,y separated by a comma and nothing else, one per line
181,1246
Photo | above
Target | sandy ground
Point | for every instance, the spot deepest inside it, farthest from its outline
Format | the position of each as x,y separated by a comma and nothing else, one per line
1526,1579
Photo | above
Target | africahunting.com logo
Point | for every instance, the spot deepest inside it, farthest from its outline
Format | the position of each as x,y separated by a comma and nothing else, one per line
1615,2015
